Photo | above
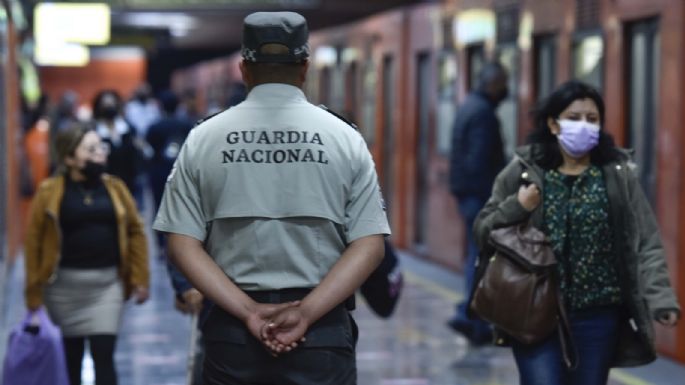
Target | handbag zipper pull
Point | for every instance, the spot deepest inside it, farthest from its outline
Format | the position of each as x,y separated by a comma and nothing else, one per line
633,324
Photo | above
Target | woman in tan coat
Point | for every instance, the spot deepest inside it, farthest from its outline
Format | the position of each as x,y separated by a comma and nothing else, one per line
86,252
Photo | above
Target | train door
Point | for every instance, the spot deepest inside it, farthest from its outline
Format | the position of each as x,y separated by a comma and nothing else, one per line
324,90
368,107
337,84
642,81
423,101
508,56
545,65
476,59
4,182
388,130
447,107
507,111
588,59
351,95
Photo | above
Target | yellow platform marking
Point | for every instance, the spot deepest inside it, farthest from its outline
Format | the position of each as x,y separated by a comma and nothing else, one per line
430,286
627,379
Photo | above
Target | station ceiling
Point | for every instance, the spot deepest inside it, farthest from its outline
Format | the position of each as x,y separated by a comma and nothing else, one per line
217,24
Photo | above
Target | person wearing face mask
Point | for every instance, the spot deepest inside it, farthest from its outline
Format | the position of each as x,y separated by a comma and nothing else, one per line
572,183
476,158
142,110
125,158
85,252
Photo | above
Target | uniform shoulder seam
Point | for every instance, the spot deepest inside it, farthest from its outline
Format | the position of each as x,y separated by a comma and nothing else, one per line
346,121
206,118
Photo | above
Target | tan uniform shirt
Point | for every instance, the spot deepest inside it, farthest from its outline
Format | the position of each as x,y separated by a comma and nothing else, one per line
276,188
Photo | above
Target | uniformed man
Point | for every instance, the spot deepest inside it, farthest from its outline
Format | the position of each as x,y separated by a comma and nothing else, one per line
274,213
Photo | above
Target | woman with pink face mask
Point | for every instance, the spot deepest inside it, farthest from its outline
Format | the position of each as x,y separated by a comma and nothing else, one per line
572,183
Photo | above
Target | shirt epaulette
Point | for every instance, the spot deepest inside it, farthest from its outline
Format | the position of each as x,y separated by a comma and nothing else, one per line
349,123
206,118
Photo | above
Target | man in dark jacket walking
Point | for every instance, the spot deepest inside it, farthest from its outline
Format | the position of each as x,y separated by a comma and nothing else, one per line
476,159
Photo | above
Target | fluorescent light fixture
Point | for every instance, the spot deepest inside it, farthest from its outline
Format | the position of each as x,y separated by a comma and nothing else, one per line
179,24
474,25
525,38
64,54
325,56
349,55
73,22
592,51
172,20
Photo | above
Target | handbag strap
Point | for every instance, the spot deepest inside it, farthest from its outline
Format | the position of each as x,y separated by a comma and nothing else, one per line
568,349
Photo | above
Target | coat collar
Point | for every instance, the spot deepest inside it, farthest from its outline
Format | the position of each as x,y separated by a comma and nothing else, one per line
56,193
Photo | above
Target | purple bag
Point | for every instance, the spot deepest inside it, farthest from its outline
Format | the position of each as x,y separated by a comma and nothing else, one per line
35,354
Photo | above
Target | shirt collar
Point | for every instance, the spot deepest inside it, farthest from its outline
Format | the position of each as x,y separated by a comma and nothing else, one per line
276,92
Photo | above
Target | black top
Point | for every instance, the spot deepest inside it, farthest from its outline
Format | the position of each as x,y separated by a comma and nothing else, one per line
89,227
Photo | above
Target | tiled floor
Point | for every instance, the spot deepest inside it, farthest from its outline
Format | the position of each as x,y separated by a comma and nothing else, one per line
411,348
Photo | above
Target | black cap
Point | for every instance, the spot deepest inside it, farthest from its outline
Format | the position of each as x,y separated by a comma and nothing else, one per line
288,29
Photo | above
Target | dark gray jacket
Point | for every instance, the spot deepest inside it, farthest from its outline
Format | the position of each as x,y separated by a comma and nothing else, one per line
642,269
477,151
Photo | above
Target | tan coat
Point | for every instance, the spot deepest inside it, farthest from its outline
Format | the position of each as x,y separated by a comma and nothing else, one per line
43,239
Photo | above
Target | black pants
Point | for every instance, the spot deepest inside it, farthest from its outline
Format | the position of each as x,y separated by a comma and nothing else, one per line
102,350
234,357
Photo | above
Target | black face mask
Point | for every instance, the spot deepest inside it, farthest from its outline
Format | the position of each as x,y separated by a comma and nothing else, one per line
109,112
93,171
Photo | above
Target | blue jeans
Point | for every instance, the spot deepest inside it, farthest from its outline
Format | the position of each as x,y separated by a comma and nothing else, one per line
594,334
469,207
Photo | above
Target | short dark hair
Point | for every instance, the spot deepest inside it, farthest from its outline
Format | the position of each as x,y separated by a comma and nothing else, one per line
97,102
274,72
169,101
547,151
490,72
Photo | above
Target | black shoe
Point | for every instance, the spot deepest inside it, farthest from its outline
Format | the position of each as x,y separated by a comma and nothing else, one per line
481,338
465,328
460,326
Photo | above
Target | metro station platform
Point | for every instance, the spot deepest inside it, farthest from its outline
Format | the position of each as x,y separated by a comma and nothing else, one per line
413,347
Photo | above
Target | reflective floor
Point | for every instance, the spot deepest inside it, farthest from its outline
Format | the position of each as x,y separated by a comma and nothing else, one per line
414,347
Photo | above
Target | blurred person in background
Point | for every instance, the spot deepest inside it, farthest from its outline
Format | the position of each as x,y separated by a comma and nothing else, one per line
188,108
36,149
165,137
86,252
189,300
64,115
575,185
125,157
142,110
477,156
236,94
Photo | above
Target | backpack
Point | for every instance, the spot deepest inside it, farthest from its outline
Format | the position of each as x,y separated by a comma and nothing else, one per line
383,287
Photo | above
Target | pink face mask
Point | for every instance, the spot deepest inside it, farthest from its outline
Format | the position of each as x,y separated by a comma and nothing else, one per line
578,137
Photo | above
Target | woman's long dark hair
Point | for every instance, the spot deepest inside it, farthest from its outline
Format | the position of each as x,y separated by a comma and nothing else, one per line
547,152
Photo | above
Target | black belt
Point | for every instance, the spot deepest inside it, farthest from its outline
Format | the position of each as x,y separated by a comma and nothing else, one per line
287,295
222,326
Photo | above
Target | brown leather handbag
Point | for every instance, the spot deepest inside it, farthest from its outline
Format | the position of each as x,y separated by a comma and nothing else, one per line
518,291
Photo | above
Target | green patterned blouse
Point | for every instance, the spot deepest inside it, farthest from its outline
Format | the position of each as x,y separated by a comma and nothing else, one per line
576,217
